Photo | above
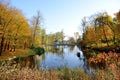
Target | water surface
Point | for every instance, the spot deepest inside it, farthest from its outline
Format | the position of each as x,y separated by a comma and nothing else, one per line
63,56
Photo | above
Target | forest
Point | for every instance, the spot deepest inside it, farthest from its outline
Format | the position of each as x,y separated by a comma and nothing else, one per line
101,32
102,29
17,32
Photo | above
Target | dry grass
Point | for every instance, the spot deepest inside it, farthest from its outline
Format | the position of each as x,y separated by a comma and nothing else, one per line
19,52
11,73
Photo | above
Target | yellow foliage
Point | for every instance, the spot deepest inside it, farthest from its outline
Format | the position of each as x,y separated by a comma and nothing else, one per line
14,25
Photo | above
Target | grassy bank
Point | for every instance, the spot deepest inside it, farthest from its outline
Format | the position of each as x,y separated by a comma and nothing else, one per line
8,55
35,74
18,53
11,73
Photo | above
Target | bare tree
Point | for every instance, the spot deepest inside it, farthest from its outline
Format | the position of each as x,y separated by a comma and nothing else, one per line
35,22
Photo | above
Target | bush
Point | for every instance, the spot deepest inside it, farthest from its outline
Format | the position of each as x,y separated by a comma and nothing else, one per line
32,46
39,51
104,60
32,52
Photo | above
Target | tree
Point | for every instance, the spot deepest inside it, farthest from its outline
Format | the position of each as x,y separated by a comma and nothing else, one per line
43,36
6,18
71,40
14,27
104,29
35,24
90,35
84,26
117,28
103,20
20,30
60,36
118,17
76,35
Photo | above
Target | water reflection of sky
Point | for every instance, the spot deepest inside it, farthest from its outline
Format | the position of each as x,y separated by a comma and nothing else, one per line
68,58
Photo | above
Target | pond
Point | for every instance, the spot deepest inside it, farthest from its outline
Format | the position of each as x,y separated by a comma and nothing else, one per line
58,57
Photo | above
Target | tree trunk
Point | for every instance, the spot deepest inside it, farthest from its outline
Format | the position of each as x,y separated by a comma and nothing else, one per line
1,45
105,37
114,39
25,44
8,45
5,47
113,30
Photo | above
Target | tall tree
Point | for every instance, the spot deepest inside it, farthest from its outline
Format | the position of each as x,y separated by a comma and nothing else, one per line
117,30
84,26
76,35
6,18
103,20
71,40
13,27
35,23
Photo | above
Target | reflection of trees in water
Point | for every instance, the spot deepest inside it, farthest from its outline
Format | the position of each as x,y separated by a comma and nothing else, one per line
54,49
43,56
71,48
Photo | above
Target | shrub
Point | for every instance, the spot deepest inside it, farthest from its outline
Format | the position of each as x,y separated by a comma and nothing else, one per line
32,46
104,60
32,52
39,51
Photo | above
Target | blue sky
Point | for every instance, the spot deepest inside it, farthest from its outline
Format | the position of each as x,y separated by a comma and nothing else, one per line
65,14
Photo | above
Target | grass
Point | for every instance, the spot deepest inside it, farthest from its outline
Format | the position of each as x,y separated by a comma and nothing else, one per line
107,74
11,73
18,53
